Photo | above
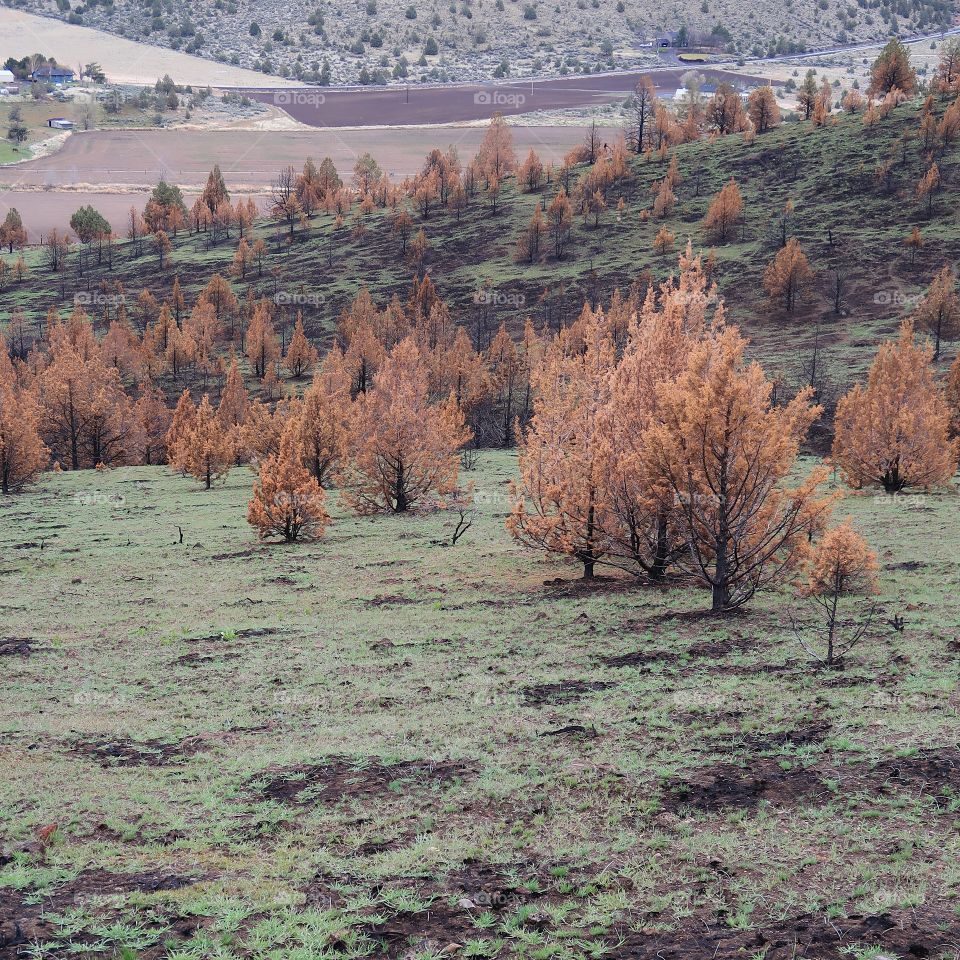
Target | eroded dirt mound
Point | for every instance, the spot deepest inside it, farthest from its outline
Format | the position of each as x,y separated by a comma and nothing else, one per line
931,771
341,778
568,691
15,646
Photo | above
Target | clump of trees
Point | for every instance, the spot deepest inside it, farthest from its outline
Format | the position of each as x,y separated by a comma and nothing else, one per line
674,454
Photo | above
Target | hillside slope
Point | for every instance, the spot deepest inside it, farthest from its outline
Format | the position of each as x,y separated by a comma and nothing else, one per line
384,40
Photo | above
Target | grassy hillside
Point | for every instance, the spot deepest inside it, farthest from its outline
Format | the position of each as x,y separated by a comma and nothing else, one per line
380,746
844,218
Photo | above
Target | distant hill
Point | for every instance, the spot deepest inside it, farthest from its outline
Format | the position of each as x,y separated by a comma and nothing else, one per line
379,41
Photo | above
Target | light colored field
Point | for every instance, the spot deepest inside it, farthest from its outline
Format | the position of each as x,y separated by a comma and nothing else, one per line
124,61
114,169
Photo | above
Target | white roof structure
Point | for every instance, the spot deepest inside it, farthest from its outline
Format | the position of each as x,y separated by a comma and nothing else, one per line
6,76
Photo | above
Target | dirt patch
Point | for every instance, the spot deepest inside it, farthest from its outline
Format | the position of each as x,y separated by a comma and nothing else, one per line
638,658
15,646
390,600
449,919
341,778
929,771
728,786
130,753
917,933
567,691
22,923
199,659
800,737
227,636
426,933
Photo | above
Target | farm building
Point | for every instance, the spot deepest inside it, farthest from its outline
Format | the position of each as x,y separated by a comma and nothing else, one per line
6,76
60,123
56,75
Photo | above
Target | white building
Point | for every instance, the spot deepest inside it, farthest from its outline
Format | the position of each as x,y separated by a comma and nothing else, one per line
6,76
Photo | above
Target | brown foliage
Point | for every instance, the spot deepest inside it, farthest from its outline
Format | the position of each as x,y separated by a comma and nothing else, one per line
287,501
894,432
403,450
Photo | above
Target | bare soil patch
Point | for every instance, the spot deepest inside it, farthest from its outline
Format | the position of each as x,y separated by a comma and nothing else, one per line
915,933
567,691
342,779
129,753
22,923
728,786
930,771
16,646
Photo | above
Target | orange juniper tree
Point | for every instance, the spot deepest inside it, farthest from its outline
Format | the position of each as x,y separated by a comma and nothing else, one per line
23,453
287,501
562,506
894,432
788,274
939,311
724,212
86,415
402,450
204,450
892,71
842,566
646,535
324,417
263,348
720,454
152,417
763,110
301,356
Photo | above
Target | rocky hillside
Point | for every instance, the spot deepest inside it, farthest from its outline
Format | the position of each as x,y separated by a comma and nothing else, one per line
396,41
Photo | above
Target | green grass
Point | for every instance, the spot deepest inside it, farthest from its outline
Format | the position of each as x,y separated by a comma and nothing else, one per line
11,153
208,668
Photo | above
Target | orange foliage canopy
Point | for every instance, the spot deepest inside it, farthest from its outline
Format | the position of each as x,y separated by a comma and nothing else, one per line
894,431
720,453
403,449
287,501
